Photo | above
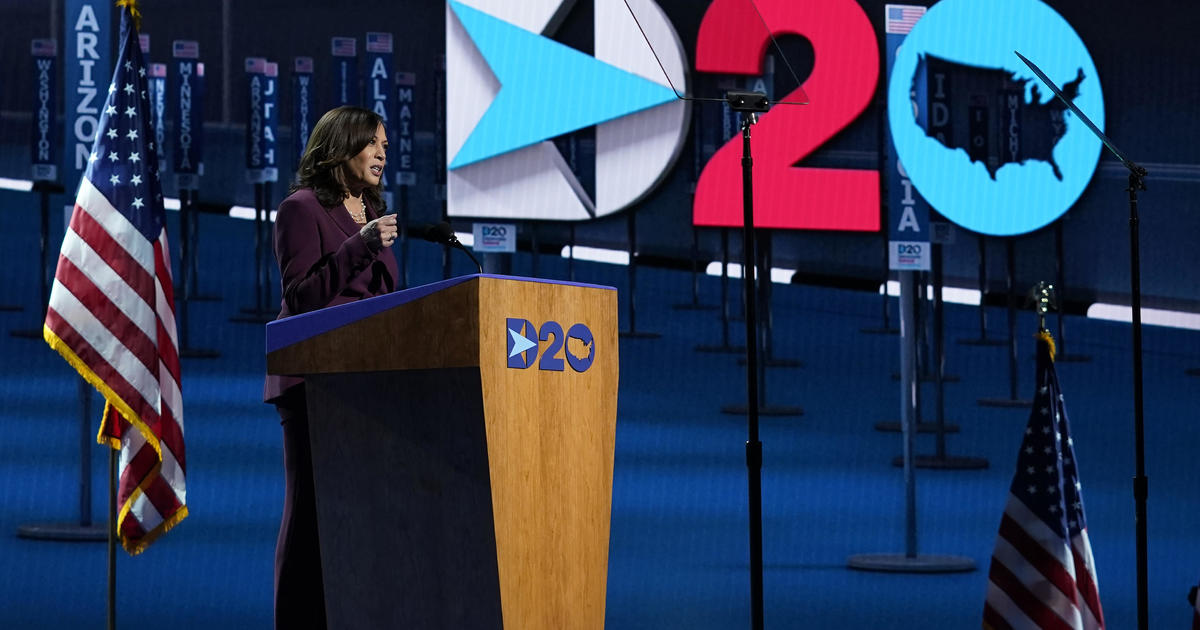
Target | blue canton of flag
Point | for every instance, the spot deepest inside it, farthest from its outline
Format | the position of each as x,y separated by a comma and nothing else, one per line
1042,574
124,162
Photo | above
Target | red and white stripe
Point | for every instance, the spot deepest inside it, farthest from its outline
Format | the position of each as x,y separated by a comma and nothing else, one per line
112,308
1037,580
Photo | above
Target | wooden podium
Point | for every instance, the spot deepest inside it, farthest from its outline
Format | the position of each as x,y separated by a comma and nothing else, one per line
462,439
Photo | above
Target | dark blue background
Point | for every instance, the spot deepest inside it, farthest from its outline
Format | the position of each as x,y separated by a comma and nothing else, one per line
1144,55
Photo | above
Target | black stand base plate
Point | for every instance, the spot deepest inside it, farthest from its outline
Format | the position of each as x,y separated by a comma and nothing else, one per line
948,462
692,306
984,341
776,362
638,334
1005,402
901,563
764,410
69,532
253,316
199,353
931,378
722,349
922,427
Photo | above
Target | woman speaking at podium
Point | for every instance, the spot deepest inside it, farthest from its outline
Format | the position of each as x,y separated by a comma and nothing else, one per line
331,243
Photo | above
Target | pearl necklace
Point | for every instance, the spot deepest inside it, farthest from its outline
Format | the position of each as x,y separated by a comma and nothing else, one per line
359,216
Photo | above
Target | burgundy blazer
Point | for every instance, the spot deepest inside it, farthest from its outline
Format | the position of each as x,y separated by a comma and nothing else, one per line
323,261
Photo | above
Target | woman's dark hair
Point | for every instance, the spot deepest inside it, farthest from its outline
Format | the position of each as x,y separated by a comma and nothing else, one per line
339,135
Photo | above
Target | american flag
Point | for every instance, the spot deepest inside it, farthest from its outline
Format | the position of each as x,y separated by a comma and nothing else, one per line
343,47
379,42
902,17
112,311
185,49
256,65
1042,573
44,48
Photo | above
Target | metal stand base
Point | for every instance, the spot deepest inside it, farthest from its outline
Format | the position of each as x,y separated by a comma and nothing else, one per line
722,349
930,378
949,462
689,306
777,362
923,427
1005,402
764,410
69,532
983,342
900,563
253,317
199,353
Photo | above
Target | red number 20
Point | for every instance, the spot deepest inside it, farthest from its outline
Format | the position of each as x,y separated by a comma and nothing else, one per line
732,40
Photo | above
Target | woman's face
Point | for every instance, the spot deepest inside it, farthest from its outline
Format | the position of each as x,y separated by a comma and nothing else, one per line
365,169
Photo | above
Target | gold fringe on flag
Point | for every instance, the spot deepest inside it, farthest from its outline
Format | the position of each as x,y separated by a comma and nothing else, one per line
114,410
134,12
1044,335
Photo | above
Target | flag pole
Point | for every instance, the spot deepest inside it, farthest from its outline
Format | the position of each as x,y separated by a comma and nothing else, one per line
112,538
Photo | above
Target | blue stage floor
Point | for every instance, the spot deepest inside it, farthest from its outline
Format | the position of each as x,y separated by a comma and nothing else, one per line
679,546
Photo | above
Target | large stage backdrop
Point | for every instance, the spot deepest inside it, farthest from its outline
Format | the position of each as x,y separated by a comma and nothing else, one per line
567,117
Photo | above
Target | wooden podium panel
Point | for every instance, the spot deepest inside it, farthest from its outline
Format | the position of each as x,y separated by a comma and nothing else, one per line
551,434
459,487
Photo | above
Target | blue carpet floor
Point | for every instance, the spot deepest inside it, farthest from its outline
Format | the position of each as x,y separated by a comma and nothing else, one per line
679,548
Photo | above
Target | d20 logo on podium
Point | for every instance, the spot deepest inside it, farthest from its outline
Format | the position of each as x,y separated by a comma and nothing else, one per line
524,345
521,351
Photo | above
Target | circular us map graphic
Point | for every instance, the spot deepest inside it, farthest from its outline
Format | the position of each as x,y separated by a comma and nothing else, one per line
983,140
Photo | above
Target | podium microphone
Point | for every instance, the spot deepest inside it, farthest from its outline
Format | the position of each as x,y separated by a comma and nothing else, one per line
443,234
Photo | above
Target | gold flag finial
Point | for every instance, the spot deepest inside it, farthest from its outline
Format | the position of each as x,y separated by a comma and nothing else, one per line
134,12
1043,298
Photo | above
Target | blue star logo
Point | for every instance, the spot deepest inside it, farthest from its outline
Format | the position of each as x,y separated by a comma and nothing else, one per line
546,89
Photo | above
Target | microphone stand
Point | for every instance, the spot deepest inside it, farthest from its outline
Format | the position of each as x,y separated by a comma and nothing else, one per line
444,234
1137,182
455,243
750,105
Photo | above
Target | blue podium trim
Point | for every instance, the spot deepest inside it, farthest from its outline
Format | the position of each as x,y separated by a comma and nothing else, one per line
290,330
